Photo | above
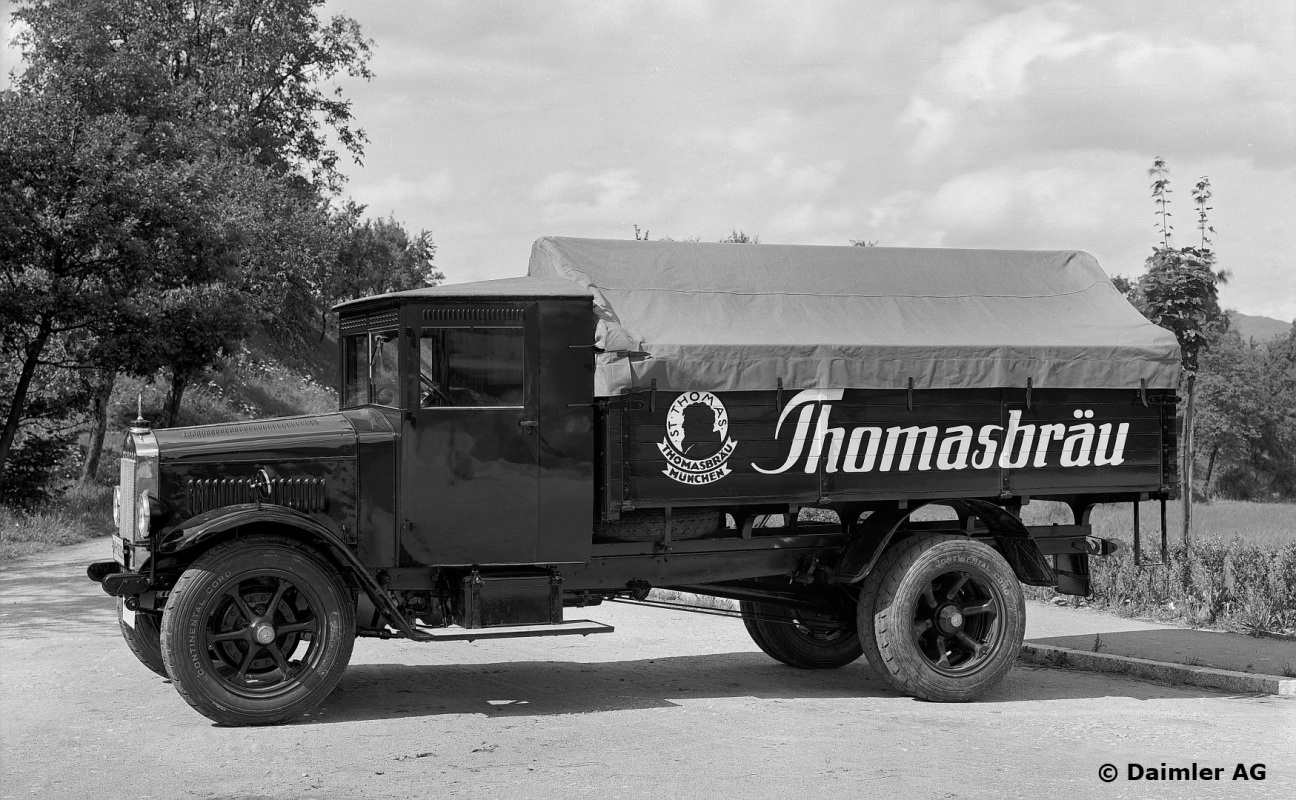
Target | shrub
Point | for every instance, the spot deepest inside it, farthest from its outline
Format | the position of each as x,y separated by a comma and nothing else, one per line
29,471
1232,584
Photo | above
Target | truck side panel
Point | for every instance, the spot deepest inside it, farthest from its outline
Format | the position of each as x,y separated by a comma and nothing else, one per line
699,448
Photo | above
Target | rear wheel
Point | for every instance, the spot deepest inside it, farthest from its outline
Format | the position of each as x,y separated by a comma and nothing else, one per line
257,631
942,617
803,639
142,632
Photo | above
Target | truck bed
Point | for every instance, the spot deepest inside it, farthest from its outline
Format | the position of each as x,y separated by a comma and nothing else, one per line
660,449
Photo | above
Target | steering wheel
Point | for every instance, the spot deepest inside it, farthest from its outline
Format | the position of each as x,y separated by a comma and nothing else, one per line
432,391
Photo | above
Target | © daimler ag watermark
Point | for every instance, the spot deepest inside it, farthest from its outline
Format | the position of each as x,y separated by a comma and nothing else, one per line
1192,772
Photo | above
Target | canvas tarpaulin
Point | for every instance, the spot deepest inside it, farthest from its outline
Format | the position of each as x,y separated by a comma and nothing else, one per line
733,317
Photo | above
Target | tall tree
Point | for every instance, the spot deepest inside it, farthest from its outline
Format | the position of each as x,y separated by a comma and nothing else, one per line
89,215
154,110
1179,291
254,72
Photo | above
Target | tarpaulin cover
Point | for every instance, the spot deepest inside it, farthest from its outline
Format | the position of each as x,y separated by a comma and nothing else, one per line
733,317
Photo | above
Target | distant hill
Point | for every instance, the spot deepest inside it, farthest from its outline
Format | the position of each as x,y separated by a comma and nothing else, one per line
1262,329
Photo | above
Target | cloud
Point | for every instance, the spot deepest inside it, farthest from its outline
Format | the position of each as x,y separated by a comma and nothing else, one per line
434,188
1059,75
569,196
968,123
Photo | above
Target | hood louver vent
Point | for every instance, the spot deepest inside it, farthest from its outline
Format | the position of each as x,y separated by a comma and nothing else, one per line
302,494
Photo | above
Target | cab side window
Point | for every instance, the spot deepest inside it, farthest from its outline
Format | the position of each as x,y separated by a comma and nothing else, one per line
472,367
355,370
370,369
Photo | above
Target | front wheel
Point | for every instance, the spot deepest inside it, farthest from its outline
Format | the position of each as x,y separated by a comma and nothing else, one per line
799,638
257,631
142,633
941,617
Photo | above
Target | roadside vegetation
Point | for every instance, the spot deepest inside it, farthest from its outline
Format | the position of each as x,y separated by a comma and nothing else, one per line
249,384
1238,572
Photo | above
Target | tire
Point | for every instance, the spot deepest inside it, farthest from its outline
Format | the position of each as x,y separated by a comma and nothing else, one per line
941,617
143,637
650,525
799,639
257,631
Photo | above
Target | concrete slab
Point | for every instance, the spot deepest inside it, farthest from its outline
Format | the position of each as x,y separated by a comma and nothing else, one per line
1094,640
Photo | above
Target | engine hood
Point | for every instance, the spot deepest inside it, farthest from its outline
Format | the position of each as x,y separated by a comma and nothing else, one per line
318,436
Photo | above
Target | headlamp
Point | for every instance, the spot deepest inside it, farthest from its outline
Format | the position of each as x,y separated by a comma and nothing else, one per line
148,513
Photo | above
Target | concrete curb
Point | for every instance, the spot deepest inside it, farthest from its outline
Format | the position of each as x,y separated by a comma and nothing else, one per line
1241,682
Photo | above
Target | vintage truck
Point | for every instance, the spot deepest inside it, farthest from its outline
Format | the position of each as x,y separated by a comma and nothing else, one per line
758,423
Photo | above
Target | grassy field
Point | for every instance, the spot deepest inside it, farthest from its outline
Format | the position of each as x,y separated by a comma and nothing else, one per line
1268,525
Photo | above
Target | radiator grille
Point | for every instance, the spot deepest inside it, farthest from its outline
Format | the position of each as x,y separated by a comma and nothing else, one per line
127,498
302,494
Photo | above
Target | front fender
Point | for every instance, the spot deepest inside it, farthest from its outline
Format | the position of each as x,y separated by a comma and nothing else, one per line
210,525
213,525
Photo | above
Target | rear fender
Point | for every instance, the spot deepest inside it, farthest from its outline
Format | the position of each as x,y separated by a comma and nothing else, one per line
870,537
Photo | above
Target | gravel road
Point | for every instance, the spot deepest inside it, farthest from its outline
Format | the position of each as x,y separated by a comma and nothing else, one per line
672,705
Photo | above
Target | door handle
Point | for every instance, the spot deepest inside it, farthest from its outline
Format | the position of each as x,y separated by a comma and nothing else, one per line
528,423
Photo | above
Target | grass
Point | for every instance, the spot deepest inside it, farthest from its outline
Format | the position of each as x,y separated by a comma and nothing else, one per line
81,514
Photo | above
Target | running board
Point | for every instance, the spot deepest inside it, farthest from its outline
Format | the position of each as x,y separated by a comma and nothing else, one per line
584,627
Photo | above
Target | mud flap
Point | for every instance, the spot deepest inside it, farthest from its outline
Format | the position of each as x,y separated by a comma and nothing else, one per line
1072,573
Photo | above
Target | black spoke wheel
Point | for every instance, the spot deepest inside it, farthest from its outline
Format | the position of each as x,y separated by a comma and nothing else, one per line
257,631
942,617
801,638
142,634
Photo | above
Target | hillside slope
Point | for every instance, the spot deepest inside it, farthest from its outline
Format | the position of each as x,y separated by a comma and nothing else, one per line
1262,329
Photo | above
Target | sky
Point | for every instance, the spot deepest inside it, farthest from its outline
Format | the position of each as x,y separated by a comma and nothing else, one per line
906,122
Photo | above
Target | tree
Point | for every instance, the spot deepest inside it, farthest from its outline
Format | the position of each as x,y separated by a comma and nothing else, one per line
251,71
863,242
375,256
89,215
1246,416
1179,292
157,113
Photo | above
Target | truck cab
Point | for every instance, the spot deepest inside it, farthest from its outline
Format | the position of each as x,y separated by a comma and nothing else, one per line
491,389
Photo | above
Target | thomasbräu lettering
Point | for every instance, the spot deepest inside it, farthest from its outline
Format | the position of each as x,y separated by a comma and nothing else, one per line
899,449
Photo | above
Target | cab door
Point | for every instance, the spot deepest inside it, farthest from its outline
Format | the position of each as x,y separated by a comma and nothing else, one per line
470,466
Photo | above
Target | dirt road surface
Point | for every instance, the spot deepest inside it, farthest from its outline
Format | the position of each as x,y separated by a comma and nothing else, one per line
672,705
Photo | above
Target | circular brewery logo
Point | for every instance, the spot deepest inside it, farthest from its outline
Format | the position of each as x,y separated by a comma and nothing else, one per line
697,444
